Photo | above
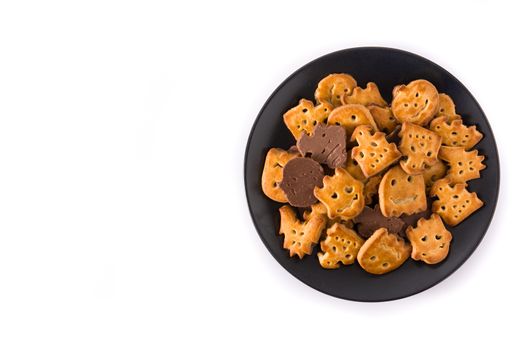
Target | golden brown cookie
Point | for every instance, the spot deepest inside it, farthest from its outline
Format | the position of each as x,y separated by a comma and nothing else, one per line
447,107
350,117
401,193
299,237
371,188
368,96
385,120
434,173
383,252
334,87
272,175
420,147
341,194
455,203
320,209
416,102
305,116
353,168
464,166
430,240
374,153
455,133
340,246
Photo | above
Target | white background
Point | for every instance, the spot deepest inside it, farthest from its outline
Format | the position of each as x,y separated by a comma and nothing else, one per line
123,219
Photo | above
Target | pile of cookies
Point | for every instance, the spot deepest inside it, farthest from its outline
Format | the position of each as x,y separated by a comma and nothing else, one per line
373,181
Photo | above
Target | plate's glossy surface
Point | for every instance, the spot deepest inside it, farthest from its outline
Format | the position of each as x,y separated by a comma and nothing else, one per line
387,68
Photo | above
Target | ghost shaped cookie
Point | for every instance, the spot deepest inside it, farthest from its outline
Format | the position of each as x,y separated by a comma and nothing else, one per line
401,193
272,175
447,108
326,145
417,102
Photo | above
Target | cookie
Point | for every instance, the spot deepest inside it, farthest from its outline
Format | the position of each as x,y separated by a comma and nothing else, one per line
447,108
434,173
320,209
334,88
354,169
368,96
272,175
374,153
416,102
305,116
430,240
341,194
350,117
299,237
372,219
455,133
371,188
419,146
326,145
383,252
463,165
385,120
340,246
401,193
300,177
454,202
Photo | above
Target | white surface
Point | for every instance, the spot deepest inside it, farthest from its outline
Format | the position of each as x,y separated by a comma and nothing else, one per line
121,228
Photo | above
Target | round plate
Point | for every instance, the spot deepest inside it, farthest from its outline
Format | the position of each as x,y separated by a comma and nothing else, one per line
387,68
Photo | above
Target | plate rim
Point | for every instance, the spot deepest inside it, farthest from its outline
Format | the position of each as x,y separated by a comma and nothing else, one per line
404,52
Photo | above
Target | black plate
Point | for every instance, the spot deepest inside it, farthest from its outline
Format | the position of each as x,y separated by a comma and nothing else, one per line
387,68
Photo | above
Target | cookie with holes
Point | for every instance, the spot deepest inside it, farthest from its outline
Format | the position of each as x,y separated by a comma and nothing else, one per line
272,175
350,117
447,108
366,97
300,237
339,247
430,240
463,165
334,88
326,145
419,146
455,203
401,193
305,116
383,252
455,133
300,177
416,102
373,153
384,118
341,194
434,173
